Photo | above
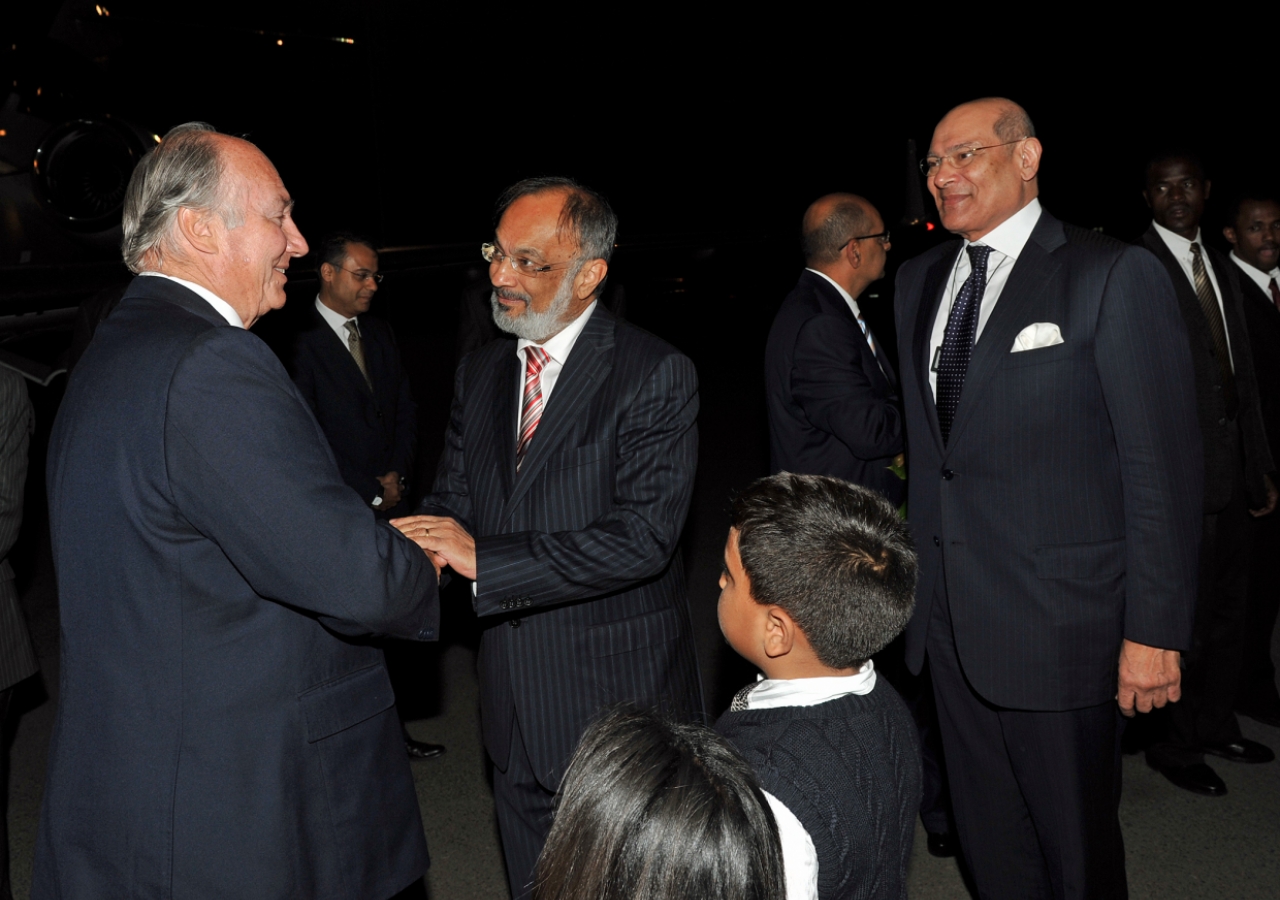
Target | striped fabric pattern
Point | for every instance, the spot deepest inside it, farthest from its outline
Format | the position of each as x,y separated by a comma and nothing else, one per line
531,403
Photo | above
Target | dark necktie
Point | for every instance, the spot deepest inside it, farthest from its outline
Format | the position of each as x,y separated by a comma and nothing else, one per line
531,405
356,346
1275,292
1217,328
958,339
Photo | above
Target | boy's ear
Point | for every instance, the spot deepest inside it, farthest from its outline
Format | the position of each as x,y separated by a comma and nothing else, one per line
779,632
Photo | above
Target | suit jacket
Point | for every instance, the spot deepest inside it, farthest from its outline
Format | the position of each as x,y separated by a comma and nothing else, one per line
1222,450
216,735
1064,513
1262,320
17,657
833,410
579,583
372,432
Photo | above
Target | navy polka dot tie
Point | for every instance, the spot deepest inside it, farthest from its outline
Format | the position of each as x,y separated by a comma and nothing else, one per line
957,340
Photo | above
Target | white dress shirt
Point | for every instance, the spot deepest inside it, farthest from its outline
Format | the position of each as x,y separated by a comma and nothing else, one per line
220,306
337,322
558,347
1180,247
799,858
1260,278
1006,241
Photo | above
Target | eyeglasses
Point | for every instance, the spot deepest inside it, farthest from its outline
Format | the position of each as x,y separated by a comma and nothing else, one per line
362,274
521,266
882,237
959,159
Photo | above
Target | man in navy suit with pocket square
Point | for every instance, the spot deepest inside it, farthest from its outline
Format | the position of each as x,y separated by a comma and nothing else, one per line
1054,494
566,476
217,733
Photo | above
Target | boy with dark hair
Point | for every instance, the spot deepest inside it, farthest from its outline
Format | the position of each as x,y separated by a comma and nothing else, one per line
820,574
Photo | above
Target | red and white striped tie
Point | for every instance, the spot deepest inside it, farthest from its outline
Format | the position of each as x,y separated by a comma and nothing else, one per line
531,407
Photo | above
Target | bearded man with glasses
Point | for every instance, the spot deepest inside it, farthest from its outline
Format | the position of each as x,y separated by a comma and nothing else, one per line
563,488
1054,466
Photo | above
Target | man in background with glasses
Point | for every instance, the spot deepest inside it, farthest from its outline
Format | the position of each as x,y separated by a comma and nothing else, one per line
566,476
1054,492
347,366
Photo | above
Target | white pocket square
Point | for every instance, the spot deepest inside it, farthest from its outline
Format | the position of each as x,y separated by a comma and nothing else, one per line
1035,336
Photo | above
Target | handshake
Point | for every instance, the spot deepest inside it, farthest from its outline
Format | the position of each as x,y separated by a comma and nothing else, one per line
445,541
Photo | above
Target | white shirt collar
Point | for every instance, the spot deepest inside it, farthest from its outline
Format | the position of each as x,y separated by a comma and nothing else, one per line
771,693
220,306
1011,235
1261,278
336,320
1176,242
560,344
848,298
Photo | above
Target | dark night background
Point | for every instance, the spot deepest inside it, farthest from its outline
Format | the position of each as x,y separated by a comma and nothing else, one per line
710,140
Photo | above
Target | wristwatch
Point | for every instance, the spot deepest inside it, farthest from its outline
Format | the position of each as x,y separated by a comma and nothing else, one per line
376,502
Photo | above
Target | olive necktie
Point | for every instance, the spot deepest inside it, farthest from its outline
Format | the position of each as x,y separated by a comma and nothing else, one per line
1217,328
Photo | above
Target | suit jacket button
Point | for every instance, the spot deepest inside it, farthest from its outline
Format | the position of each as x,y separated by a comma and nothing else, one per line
1222,421
936,542
515,623
948,474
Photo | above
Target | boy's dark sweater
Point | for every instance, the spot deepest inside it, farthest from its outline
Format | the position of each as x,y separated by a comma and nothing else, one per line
849,769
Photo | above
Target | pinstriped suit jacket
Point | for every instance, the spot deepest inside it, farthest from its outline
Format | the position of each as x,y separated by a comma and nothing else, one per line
1064,513
17,658
579,579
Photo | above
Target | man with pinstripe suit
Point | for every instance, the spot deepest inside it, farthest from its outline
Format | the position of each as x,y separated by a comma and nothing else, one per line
562,491
1054,495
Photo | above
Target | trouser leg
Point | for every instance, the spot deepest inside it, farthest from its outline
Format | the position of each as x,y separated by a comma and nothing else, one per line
5,891
524,810
1035,795
1211,672
1257,688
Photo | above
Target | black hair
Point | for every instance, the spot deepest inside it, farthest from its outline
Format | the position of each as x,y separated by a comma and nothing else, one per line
332,248
652,809
590,217
836,556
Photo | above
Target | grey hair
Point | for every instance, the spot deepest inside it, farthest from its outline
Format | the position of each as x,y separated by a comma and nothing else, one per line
586,213
1014,124
184,170
824,243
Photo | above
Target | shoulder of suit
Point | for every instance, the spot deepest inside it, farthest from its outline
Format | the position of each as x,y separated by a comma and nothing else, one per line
1091,240
634,339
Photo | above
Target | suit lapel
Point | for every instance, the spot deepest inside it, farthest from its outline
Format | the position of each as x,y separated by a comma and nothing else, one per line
877,368
1034,268
1183,289
504,415
588,365
930,300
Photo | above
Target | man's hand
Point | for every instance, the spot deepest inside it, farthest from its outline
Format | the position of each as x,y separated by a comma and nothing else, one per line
1149,677
390,489
443,538
1271,499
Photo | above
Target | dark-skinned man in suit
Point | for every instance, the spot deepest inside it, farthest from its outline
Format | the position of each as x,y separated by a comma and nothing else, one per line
1237,479
1253,230
566,476
1053,489
347,366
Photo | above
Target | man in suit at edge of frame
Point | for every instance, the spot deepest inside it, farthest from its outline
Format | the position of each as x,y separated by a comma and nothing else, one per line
1054,488
217,734
1237,482
566,476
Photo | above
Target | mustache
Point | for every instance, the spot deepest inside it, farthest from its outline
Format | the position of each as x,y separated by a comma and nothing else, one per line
512,296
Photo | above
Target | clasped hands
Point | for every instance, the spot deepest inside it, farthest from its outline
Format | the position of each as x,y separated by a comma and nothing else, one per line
1150,677
445,541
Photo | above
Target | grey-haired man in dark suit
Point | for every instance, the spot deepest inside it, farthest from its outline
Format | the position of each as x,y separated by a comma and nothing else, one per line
563,488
